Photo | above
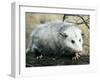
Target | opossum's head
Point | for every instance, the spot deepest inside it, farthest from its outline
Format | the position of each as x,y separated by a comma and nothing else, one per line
72,39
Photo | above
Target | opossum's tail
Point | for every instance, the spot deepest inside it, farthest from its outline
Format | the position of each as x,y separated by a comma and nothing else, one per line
28,49
31,47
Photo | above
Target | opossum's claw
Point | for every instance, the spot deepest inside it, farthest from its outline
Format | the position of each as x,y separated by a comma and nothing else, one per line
76,57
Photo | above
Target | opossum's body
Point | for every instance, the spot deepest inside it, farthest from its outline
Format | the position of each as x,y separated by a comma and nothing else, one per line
56,38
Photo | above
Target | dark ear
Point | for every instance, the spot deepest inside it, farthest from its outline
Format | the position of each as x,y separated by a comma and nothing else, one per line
63,35
82,34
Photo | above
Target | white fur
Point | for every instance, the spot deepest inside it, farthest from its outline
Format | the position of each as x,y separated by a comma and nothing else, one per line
48,36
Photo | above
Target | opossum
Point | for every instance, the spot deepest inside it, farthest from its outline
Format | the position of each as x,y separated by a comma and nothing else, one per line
56,38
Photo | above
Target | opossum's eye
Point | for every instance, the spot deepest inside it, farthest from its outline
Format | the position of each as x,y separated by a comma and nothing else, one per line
73,41
79,40
64,35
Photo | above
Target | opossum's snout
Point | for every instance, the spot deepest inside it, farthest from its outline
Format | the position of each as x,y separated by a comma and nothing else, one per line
78,49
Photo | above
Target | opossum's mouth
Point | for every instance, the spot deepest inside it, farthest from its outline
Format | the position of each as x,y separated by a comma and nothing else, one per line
78,52
74,51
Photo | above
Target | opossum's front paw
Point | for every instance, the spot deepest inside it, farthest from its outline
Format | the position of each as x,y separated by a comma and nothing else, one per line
39,57
76,57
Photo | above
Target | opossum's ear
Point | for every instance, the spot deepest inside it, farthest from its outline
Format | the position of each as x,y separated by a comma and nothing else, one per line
63,35
82,34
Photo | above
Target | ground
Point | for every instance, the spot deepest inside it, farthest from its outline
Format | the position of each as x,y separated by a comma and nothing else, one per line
32,61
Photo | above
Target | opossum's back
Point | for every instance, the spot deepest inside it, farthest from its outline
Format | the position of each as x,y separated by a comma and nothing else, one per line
48,28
